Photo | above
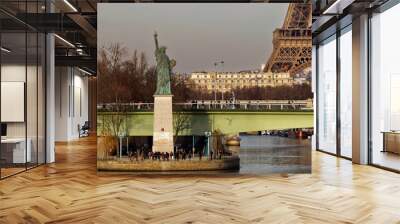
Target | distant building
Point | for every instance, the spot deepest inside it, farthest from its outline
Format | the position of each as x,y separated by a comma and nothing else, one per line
301,80
226,81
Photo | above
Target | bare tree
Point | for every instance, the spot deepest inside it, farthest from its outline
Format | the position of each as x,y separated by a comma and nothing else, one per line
217,143
124,78
181,123
129,78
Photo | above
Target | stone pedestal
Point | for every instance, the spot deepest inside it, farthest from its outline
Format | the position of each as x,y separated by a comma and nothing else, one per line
162,124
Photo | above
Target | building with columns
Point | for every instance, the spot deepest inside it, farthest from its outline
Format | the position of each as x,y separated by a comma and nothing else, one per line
227,81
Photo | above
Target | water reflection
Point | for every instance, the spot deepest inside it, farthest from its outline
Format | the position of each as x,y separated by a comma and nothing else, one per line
272,154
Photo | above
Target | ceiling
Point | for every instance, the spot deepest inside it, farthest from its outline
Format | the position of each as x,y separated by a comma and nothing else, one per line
332,15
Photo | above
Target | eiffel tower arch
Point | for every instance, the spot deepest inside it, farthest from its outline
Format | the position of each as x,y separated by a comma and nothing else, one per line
292,44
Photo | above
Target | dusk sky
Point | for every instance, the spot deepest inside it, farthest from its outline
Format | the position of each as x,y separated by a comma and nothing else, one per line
196,35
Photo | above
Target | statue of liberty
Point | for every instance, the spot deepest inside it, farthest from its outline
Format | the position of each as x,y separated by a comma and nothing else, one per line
163,69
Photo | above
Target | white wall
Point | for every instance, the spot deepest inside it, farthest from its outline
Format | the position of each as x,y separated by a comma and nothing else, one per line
62,82
71,102
33,126
10,73
14,73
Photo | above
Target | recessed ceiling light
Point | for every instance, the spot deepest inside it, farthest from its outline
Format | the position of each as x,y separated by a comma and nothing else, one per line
70,5
84,71
5,50
64,40
337,7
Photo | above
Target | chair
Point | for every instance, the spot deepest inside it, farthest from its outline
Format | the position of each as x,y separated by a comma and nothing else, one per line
84,130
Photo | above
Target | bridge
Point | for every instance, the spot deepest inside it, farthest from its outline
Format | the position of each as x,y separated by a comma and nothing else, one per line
195,105
140,123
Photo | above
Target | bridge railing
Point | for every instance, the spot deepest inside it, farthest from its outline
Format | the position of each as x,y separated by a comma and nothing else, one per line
242,105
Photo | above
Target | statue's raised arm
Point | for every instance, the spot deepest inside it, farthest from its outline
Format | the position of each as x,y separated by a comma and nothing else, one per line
156,40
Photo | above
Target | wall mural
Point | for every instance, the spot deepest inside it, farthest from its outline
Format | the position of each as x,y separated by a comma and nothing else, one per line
194,95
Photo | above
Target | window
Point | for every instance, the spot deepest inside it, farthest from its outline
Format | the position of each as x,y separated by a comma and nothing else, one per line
346,93
22,85
326,101
385,89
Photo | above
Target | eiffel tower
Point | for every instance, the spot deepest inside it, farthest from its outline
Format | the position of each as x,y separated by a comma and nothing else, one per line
292,43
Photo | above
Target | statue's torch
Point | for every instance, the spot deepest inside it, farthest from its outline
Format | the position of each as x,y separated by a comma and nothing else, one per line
155,39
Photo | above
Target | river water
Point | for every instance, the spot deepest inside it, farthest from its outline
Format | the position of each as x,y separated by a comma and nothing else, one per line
273,154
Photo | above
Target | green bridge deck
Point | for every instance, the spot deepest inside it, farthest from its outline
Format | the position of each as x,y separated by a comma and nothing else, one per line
229,122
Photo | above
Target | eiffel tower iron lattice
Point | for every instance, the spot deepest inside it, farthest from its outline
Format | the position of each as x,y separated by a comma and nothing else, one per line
292,48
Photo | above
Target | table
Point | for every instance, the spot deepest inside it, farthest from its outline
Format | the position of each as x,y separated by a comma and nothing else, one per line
391,141
15,148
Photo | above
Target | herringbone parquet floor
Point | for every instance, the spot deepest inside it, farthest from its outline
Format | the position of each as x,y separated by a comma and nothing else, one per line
70,191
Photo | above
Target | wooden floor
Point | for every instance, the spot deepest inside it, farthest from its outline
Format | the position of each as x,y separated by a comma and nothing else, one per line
5,172
387,159
70,191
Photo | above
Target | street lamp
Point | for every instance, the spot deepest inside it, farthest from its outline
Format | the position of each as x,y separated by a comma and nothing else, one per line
215,87
214,81
208,134
222,94
233,100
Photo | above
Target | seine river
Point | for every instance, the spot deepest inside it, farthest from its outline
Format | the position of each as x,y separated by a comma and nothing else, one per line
273,154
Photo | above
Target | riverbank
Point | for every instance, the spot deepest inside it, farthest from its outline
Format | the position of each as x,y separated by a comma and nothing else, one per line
125,164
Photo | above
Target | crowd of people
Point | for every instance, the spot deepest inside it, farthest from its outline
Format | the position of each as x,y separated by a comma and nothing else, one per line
166,156
171,156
